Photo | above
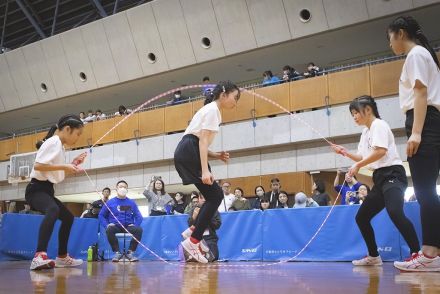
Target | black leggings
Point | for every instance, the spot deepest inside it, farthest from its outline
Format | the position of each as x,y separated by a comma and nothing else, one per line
40,196
213,195
425,167
388,192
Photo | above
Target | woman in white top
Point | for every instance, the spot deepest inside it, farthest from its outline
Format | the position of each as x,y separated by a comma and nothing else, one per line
49,169
377,151
419,94
191,161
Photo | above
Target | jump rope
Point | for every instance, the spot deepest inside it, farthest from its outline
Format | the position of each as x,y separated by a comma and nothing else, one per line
167,93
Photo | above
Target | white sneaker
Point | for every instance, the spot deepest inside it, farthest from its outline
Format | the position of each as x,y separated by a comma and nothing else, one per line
368,261
194,251
67,261
418,262
187,233
41,261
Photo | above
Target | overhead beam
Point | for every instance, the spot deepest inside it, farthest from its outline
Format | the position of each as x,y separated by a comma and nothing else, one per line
115,8
4,24
55,17
99,7
30,18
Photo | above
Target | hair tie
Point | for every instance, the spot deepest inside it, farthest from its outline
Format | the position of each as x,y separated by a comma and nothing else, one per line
419,32
56,125
224,90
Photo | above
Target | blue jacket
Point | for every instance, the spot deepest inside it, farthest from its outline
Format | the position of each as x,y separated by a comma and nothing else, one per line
132,217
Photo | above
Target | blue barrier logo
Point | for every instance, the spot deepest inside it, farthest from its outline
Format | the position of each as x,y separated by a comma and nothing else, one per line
249,250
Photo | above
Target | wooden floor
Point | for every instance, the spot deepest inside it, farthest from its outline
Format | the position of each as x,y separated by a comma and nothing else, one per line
158,277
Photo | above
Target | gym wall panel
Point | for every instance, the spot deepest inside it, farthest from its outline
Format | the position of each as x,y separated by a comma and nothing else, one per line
238,136
269,21
378,8
99,52
151,149
39,71
58,67
278,160
125,153
4,170
10,192
301,131
315,158
201,23
272,131
122,46
346,85
317,22
147,39
83,184
308,93
174,34
156,169
389,110
78,59
235,25
419,3
246,163
341,122
8,93
345,12
102,156
385,77
170,144
107,178
219,169
133,175
21,77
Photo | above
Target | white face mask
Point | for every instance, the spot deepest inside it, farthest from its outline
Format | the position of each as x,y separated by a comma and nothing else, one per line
122,192
177,96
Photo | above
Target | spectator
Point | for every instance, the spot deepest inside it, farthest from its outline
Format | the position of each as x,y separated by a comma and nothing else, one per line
179,203
264,204
126,212
301,200
11,207
100,115
350,185
27,210
98,204
160,201
312,70
319,194
240,203
228,198
270,79
194,201
90,116
82,116
273,195
208,88
363,192
210,239
178,98
283,200
88,212
259,194
122,110
290,74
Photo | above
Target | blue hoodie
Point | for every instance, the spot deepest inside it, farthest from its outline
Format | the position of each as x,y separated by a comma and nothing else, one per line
133,217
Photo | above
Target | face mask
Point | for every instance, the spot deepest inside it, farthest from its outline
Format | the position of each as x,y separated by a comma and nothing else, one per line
122,192
177,96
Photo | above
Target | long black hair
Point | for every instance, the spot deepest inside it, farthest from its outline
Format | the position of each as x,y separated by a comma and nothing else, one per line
222,87
414,32
70,120
162,191
358,104
320,186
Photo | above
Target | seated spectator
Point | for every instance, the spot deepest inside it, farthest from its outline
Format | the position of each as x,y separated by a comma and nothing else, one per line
179,204
264,204
259,194
363,192
270,79
98,204
290,74
194,201
82,116
208,89
90,116
275,186
126,212
282,197
350,185
12,206
27,210
88,212
240,203
351,197
319,194
210,239
160,201
100,115
301,200
178,98
122,110
312,70
228,198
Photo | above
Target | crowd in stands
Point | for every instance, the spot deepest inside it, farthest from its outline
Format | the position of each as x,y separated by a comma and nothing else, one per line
290,74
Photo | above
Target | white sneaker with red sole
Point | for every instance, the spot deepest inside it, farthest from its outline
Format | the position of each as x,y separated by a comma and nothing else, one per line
418,262
194,251
41,261
67,261
368,261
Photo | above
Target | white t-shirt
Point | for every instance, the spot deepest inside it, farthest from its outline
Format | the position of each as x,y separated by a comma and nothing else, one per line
379,135
226,203
51,152
207,118
419,65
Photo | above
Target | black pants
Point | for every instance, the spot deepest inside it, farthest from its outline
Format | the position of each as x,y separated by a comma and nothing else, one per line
40,196
113,230
425,167
388,192
213,195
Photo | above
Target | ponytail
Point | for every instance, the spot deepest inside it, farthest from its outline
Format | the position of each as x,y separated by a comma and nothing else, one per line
70,120
414,32
360,103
